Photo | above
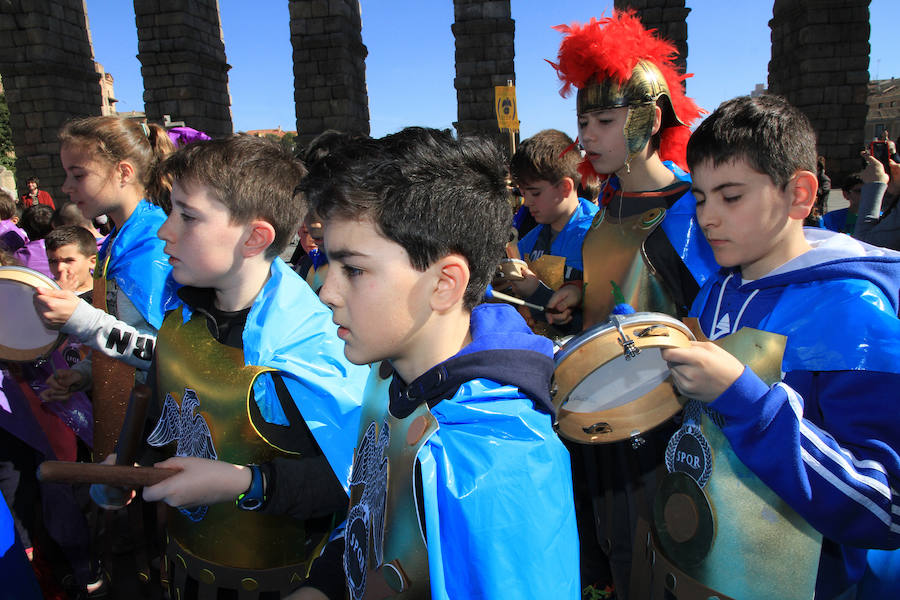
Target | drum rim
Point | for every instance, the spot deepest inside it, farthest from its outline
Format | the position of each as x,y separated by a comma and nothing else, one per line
601,328
27,354
30,272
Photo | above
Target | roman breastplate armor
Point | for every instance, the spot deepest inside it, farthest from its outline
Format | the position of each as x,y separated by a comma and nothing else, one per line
113,379
205,390
613,251
716,523
385,553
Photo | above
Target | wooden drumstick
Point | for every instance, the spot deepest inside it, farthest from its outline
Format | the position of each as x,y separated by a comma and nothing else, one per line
518,301
61,471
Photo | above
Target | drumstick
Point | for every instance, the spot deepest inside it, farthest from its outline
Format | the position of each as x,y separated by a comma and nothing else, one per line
492,293
61,471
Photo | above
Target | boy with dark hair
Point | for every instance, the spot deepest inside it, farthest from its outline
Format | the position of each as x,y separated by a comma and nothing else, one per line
456,441
251,388
807,415
548,179
72,255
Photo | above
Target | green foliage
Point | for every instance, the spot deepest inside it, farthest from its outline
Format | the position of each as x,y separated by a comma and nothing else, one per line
7,150
288,141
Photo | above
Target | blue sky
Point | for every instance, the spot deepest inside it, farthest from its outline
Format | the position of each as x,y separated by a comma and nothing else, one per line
409,70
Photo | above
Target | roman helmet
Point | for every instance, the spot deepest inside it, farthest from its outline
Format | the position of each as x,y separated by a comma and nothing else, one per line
615,62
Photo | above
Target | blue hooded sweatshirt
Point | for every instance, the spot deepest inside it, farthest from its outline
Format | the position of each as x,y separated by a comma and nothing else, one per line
826,438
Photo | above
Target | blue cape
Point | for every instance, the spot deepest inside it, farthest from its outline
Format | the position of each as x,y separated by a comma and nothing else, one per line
138,264
497,481
290,330
569,241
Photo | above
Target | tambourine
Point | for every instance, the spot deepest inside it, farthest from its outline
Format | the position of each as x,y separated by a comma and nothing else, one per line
23,335
610,382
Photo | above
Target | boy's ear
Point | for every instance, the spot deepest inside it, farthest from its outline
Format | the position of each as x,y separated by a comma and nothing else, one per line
452,280
801,190
261,235
567,186
93,260
657,120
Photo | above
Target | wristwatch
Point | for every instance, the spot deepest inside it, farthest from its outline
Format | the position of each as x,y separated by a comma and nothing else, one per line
255,495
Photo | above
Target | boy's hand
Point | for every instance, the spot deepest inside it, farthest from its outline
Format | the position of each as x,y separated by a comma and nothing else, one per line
201,481
527,286
61,385
55,306
110,497
563,302
704,371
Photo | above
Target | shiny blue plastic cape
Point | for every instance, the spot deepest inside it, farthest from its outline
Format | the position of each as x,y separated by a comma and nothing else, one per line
498,488
685,235
567,242
289,329
16,574
138,264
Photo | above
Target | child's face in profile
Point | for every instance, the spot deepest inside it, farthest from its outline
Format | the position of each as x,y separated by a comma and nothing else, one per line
543,199
71,269
202,242
602,133
380,302
89,181
744,215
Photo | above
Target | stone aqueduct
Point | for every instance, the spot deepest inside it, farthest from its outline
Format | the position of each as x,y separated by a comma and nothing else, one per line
819,61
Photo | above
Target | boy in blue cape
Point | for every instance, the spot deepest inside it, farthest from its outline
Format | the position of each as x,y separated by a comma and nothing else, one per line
460,488
546,173
817,427
252,392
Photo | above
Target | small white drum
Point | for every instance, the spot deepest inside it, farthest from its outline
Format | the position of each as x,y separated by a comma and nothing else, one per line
610,382
23,335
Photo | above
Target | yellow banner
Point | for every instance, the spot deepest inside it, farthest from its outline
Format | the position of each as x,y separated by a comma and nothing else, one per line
505,107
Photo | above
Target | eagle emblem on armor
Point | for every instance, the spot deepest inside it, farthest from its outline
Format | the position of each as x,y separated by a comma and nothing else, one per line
366,518
191,431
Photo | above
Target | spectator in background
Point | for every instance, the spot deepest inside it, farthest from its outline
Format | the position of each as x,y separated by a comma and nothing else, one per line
36,223
12,237
34,195
879,189
68,213
844,220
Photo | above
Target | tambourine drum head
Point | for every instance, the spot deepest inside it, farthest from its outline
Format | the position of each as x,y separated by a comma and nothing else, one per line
23,336
603,397
619,382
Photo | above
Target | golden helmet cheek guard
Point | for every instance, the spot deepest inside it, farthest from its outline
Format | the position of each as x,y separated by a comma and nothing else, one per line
640,94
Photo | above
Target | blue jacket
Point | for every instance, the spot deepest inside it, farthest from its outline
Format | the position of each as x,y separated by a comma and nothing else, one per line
289,329
568,241
826,438
496,479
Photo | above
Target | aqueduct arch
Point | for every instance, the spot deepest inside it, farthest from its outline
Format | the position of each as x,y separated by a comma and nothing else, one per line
819,61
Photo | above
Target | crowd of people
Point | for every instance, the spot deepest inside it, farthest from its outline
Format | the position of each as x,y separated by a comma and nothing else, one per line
381,415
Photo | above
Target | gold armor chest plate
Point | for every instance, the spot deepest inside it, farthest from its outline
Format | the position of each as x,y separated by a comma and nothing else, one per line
209,379
735,535
613,251
384,516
